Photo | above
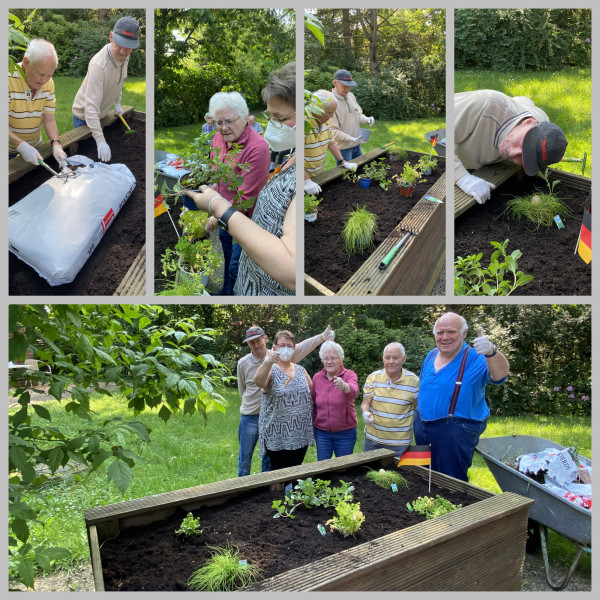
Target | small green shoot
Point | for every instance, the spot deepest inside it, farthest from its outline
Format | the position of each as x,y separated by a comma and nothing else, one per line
189,526
359,230
349,518
385,478
311,202
433,507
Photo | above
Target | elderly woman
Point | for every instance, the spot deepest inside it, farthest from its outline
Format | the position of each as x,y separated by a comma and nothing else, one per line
209,126
285,428
333,393
268,260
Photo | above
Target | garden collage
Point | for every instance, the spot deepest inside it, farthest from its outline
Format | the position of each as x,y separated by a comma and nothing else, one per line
225,373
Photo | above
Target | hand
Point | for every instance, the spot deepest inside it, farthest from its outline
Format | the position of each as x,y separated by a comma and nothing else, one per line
340,384
202,199
371,121
357,139
367,416
211,224
59,154
328,334
349,165
118,109
272,357
104,151
482,344
29,153
479,188
310,187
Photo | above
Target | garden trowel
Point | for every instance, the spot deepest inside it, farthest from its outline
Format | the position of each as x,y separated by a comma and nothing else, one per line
129,130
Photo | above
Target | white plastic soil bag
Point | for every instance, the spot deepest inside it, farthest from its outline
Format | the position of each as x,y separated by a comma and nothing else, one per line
55,228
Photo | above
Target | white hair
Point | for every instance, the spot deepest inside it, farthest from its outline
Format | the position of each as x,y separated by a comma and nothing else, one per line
463,322
38,49
395,345
326,97
330,345
232,99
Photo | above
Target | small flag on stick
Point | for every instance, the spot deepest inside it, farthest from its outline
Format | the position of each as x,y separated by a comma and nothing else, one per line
159,207
584,245
417,455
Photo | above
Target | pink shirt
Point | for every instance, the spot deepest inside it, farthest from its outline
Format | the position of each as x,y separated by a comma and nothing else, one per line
255,151
332,409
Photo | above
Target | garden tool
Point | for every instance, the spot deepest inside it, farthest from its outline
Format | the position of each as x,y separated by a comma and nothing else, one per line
583,161
388,257
129,130
64,174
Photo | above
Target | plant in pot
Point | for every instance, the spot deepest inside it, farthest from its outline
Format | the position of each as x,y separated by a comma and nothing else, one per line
396,152
376,171
359,230
426,164
408,179
311,202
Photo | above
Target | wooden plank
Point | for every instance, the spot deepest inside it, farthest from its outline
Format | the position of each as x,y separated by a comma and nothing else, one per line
313,288
17,167
134,282
96,559
336,172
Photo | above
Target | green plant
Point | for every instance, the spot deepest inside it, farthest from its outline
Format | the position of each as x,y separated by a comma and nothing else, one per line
223,571
409,177
17,40
349,518
377,171
385,479
190,525
398,151
426,163
311,202
471,279
359,230
433,507
539,208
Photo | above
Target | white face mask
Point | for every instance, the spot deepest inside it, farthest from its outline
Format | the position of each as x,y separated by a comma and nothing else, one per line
285,353
280,138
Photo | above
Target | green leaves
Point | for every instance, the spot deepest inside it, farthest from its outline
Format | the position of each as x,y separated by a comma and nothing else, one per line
120,474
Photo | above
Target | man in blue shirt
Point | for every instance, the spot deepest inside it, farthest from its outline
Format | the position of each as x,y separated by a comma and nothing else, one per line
453,428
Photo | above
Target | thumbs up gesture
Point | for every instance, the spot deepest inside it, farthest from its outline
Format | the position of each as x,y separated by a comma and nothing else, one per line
482,344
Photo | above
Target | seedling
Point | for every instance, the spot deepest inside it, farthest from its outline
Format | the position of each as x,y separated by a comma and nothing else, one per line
426,163
359,230
385,478
311,202
409,177
397,152
189,526
349,519
377,171
433,507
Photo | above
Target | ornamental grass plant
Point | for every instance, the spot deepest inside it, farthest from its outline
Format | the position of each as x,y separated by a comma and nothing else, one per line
359,230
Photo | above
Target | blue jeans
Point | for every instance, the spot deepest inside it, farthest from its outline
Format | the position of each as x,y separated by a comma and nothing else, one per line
248,437
371,445
349,153
453,441
231,262
77,122
339,442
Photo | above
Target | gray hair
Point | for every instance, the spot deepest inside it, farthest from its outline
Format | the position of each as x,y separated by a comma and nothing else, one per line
282,84
330,345
326,97
38,49
464,326
395,345
207,115
232,99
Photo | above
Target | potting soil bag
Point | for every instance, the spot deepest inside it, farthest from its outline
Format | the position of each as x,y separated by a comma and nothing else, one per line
55,228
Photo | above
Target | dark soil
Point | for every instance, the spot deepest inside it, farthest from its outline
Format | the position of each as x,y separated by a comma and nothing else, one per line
325,258
108,265
548,254
155,558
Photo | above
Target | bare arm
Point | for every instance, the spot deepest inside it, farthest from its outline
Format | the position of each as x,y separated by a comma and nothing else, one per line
262,377
50,126
497,366
334,149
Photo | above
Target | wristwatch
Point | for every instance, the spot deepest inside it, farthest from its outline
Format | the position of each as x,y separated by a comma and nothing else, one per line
493,353
224,218
52,142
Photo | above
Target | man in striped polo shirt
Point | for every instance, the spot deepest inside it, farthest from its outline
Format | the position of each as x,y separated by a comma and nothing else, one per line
31,104
389,403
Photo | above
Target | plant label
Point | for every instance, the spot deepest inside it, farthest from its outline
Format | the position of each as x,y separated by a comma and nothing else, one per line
394,487
559,222
410,508
321,529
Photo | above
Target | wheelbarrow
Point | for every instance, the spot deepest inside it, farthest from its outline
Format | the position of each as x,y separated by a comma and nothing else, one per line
549,511
440,144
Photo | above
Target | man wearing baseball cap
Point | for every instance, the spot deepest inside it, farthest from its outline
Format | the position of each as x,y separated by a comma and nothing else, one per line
103,84
251,393
348,117
490,126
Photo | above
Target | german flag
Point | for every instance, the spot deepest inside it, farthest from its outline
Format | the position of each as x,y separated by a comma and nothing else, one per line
584,246
159,207
416,455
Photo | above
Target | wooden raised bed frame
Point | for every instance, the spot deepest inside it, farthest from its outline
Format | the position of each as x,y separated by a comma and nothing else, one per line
414,270
478,547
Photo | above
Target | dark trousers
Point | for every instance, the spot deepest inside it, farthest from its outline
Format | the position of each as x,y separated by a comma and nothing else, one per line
231,262
280,459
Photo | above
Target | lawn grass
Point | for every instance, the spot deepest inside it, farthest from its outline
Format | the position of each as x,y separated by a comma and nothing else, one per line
565,96
66,88
185,452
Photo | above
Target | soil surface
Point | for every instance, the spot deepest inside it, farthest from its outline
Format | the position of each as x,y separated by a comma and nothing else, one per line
325,258
548,253
155,558
108,265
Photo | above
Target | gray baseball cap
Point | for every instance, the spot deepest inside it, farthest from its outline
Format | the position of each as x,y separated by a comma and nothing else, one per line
126,32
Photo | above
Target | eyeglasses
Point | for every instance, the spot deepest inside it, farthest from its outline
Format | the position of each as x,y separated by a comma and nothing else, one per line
284,346
330,359
228,123
277,121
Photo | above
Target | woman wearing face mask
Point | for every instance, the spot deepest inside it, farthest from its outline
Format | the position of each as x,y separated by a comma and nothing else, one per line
285,428
268,240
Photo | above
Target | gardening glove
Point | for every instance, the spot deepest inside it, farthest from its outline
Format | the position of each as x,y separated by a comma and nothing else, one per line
272,356
348,165
60,155
310,187
118,109
340,384
29,153
367,416
371,121
357,139
479,188
328,334
482,344
103,151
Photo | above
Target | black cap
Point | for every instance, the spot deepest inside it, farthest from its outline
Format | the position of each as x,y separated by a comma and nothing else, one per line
345,77
543,145
253,333
126,32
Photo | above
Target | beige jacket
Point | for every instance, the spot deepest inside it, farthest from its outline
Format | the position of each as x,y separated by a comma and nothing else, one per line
346,121
101,88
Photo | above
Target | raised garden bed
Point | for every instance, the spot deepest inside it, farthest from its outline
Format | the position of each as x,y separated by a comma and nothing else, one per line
478,547
329,270
549,254
122,243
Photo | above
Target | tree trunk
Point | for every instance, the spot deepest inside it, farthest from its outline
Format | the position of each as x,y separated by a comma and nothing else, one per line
374,42
347,35
102,15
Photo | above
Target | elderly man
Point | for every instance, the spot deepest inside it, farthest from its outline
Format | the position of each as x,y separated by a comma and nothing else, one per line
348,117
103,83
251,393
318,140
452,411
31,104
389,403
230,114
490,126
254,124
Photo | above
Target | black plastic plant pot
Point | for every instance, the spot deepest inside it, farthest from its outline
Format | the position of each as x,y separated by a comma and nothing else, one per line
188,202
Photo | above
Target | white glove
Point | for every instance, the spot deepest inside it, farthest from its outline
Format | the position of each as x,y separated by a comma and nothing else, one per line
348,165
104,151
371,121
328,334
29,153
272,356
59,154
357,139
340,384
479,188
118,109
367,416
310,187
482,344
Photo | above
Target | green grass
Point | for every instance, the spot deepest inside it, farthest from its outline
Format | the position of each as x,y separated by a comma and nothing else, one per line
565,96
65,89
184,452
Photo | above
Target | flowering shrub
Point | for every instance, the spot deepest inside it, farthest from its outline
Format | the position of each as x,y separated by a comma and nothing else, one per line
570,400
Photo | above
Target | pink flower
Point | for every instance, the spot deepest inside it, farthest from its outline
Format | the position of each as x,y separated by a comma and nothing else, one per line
556,388
569,388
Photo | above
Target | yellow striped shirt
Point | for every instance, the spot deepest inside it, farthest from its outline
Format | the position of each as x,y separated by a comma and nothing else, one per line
315,148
